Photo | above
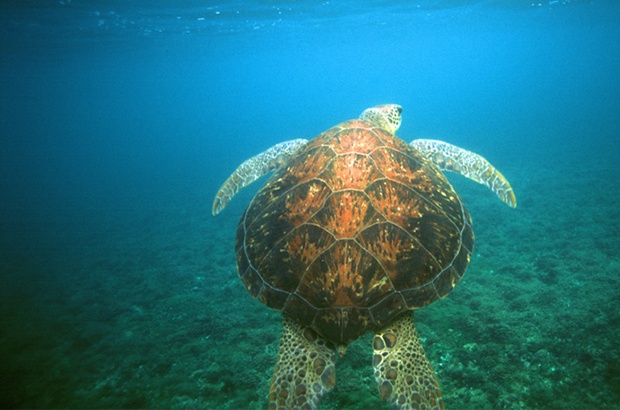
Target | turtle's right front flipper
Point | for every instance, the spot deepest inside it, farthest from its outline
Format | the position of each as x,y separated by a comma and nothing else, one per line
252,169
449,157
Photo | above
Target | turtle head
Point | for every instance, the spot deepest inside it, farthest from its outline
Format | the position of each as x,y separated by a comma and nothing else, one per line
386,117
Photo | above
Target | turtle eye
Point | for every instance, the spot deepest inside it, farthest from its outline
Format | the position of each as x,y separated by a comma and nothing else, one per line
399,109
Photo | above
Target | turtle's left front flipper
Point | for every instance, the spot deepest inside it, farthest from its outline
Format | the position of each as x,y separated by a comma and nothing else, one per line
252,169
452,158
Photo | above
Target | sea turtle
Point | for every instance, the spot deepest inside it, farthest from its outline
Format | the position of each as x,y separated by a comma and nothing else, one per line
353,230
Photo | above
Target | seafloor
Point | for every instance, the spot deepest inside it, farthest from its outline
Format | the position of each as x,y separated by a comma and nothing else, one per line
142,308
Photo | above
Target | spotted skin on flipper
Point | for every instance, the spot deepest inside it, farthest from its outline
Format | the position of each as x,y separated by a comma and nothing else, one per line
402,370
305,369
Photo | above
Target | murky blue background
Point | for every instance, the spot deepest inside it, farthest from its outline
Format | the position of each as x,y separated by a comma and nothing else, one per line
120,119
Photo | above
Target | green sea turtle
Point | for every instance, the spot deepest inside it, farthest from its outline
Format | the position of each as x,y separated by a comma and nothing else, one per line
353,230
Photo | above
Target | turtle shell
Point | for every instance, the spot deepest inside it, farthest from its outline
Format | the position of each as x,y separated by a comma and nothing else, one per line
354,229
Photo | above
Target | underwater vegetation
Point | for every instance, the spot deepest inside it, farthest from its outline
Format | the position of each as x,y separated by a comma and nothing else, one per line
155,316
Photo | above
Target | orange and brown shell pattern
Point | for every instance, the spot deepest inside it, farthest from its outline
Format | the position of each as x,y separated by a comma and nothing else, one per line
354,229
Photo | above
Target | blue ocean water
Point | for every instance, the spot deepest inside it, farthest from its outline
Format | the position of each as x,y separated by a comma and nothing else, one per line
119,120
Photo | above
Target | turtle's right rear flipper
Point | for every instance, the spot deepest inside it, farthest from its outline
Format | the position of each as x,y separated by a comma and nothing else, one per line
402,370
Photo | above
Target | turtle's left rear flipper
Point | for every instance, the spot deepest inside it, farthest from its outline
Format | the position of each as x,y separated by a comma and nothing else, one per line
305,368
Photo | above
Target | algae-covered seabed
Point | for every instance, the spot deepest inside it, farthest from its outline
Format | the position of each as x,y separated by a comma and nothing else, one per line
143,308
